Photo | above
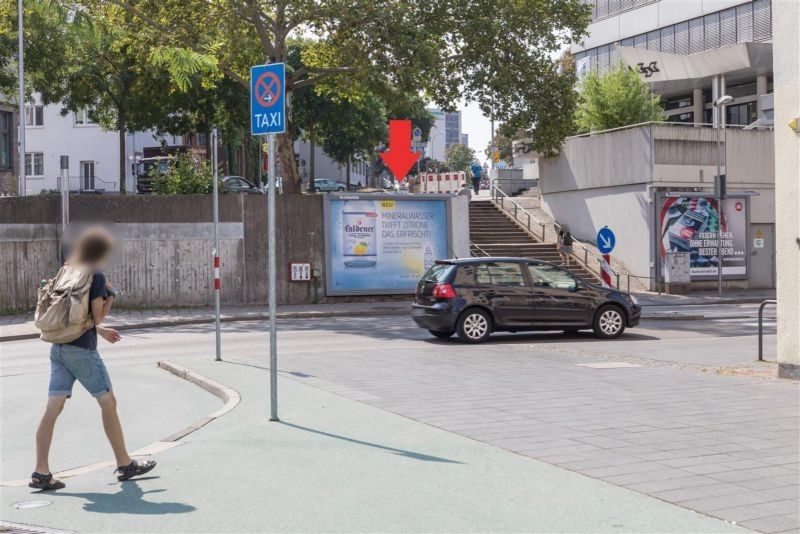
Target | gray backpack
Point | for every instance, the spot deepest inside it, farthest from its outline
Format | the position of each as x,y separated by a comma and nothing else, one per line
62,310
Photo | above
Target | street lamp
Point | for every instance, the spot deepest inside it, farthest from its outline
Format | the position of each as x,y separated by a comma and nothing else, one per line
23,188
720,104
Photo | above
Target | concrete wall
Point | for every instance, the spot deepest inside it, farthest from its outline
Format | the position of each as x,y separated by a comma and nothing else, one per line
607,179
624,209
164,254
786,20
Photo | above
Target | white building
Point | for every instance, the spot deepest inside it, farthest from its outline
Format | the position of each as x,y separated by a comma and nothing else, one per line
446,131
93,153
325,167
787,183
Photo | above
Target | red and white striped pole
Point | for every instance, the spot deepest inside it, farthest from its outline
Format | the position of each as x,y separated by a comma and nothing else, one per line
605,270
216,270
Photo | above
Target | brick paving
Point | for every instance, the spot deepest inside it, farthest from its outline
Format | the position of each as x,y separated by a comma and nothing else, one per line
724,446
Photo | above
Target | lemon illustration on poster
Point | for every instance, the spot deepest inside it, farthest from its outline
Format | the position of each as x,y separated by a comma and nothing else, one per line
384,244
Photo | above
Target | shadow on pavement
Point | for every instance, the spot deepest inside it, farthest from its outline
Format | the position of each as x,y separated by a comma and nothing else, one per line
130,500
401,452
549,337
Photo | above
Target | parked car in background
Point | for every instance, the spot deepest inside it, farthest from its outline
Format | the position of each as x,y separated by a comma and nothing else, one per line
474,297
238,184
328,185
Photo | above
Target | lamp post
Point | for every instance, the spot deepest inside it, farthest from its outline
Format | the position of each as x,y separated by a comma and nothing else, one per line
719,105
23,189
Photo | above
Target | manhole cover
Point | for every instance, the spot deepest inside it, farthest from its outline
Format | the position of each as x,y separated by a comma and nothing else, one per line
608,365
30,504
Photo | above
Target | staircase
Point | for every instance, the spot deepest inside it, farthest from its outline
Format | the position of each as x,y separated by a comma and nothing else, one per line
492,233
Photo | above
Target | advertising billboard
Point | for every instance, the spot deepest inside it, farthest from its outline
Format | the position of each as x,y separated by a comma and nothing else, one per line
691,224
382,244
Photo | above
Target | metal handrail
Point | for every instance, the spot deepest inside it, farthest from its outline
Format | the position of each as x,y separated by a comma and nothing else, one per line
761,328
502,199
473,245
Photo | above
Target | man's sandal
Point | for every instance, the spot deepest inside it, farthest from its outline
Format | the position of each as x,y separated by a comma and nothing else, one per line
134,469
45,482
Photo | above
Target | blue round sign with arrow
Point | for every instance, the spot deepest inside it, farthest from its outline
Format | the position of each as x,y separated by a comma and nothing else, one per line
606,240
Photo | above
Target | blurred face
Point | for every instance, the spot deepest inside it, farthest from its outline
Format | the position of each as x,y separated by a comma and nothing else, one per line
93,247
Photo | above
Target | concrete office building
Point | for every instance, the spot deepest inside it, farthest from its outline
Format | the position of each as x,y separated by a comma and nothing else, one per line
629,179
679,46
786,18
446,131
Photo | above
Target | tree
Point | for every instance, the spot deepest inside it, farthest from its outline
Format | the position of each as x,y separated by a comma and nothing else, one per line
619,98
459,157
482,50
504,138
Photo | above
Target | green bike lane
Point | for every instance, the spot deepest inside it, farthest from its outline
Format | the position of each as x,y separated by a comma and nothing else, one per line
335,464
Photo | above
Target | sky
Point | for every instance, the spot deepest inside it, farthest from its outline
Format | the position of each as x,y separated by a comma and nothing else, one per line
477,126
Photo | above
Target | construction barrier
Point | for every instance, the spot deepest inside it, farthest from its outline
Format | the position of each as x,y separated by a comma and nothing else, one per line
443,182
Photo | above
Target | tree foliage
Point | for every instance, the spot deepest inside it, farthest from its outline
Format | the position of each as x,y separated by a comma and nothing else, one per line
495,52
459,157
187,174
618,98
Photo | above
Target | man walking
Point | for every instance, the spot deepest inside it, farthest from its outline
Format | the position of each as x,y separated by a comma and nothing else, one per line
79,360
476,170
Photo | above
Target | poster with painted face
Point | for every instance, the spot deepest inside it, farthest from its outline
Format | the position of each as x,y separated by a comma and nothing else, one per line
691,224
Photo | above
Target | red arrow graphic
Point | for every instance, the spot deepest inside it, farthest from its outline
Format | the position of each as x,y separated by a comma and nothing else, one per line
399,158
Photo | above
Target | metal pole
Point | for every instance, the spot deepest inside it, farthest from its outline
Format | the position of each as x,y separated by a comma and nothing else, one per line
64,187
761,328
719,206
215,252
23,188
273,285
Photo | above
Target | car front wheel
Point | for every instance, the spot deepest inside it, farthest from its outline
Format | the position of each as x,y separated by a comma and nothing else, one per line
474,326
609,322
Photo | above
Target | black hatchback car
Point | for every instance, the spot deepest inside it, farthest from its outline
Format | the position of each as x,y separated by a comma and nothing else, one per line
474,297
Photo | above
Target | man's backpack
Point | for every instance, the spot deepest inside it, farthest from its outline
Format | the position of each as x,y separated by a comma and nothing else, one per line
62,310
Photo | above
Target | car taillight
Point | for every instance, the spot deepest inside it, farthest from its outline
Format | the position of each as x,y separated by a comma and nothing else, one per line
444,291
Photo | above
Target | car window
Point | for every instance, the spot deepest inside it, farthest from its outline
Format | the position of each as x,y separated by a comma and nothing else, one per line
500,274
543,275
438,273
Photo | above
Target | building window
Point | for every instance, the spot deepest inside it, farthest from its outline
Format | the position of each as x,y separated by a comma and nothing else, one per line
742,114
34,164
678,102
6,128
743,23
681,117
83,118
34,115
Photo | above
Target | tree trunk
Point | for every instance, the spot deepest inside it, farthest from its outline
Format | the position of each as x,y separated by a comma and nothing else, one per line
286,163
123,159
347,174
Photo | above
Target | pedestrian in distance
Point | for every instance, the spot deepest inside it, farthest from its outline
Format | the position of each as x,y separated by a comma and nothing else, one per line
75,356
476,171
565,245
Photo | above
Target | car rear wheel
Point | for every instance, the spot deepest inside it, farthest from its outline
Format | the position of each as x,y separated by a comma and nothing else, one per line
609,322
441,335
474,326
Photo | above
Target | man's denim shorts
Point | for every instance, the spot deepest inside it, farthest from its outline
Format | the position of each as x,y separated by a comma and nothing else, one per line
69,363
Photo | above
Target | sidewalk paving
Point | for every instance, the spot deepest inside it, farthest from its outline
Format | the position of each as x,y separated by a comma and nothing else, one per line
334,464
20,326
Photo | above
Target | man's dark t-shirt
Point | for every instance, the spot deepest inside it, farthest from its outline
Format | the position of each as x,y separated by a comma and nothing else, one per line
88,339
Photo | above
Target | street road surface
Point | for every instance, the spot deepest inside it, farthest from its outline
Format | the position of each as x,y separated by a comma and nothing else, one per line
662,411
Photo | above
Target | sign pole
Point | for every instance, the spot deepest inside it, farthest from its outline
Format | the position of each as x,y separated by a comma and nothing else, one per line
273,328
215,252
23,186
268,117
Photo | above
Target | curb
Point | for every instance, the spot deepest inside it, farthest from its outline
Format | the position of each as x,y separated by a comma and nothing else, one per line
233,318
227,395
